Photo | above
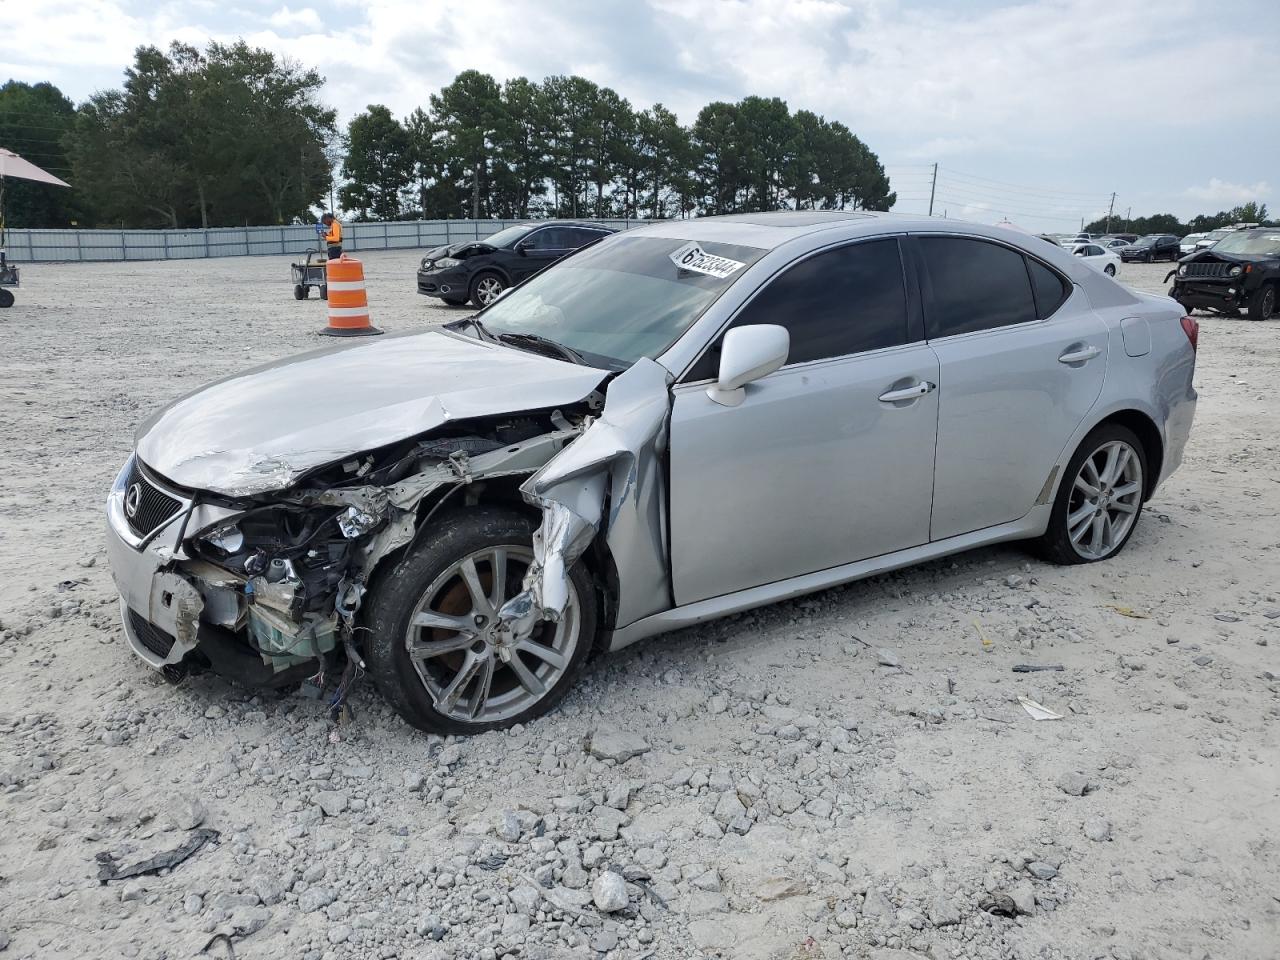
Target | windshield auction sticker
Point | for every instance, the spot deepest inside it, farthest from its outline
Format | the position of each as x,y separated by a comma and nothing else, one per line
693,257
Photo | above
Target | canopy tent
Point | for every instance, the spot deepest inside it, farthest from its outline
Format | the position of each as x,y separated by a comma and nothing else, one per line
12,165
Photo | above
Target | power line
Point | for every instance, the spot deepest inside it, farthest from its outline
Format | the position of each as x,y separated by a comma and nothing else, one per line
1019,188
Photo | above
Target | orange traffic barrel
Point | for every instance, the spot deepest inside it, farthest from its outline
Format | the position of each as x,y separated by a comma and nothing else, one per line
348,305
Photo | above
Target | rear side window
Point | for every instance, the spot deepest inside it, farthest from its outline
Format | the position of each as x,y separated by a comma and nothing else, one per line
1050,289
834,304
975,286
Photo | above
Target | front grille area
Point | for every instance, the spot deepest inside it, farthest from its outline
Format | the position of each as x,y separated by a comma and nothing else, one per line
150,636
153,508
1206,269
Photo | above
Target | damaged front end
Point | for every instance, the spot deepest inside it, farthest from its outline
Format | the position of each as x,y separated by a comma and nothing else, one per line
267,588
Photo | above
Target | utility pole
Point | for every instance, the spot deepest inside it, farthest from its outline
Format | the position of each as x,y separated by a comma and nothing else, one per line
1127,211
933,188
1110,208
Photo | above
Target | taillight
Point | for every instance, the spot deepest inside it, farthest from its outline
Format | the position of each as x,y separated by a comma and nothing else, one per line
1192,329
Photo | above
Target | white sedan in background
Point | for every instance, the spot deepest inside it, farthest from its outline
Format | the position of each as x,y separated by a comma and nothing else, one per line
1097,256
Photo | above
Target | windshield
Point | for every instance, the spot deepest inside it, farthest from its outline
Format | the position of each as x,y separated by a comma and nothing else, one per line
1145,241
505,238
1260,243
617,301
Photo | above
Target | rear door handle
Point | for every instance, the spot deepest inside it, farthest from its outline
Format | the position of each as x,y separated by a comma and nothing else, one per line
908,393
1079,356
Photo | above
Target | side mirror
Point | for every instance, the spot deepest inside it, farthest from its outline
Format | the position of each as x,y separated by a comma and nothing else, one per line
523,248
746,355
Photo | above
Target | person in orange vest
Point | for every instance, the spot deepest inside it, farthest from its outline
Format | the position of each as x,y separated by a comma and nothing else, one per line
333,235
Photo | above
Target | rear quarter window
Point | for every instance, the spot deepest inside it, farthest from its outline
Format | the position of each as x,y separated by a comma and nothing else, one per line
1050,288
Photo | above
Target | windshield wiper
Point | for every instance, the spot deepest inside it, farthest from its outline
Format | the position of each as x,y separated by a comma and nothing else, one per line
484,332
535,340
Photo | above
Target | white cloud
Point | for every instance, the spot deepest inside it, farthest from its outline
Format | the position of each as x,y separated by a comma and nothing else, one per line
296,20
1221,191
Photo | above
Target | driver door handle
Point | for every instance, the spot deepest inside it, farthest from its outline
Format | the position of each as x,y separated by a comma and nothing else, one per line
1080,356
908,393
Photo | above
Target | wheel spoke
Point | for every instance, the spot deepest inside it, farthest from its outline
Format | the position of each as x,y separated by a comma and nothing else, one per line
450,695
1090,469
1096,532
1078,532
1108,469
471,577
528,679
1085,487
441,621
498,570
1121,507
1117,471
546,654
426,649
1127,490
1085,512
483,685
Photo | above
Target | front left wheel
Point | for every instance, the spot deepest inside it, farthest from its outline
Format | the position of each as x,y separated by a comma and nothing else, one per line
1262,305
1109,269
436,648
1099,500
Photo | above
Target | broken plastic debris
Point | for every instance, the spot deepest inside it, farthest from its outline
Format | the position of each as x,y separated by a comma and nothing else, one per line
1129,612
986,644
1038,711
1036,667
356,523
109,870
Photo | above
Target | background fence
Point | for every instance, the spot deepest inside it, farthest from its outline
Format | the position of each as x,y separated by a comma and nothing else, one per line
26,246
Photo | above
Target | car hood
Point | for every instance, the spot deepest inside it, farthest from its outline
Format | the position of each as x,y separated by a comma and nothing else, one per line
453,249
261,430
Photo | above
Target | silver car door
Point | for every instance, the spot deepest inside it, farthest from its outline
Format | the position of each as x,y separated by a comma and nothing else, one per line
1012,386
827,460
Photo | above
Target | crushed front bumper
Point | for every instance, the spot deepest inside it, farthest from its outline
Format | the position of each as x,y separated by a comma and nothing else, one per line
160,607
1223,295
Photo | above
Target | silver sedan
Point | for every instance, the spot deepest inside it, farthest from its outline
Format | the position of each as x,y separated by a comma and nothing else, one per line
682,421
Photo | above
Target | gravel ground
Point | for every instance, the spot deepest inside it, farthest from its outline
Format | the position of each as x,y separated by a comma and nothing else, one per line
844,775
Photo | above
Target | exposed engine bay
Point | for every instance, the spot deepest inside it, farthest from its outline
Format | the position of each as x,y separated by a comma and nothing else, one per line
283,576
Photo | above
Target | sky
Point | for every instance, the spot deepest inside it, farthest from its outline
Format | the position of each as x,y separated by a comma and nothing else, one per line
1034,111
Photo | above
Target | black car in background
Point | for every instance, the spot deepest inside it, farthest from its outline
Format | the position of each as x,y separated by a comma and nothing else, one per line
1152,247
1242,270
479,270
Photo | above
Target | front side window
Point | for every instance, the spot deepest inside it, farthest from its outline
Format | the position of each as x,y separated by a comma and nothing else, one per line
548,238
976,285
834,304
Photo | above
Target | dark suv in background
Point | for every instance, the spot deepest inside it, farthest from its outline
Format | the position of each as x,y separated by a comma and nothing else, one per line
479,270
1152,247
1242,270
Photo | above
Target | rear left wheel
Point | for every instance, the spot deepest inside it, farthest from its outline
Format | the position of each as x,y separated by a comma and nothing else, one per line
1100,498
437,649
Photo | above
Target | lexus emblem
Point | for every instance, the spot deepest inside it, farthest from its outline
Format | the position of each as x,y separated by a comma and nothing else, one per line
131,500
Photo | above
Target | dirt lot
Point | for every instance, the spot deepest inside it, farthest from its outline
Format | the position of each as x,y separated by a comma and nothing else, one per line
883,793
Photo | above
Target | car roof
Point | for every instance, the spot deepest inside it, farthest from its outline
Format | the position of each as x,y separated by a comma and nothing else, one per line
769,230
594,225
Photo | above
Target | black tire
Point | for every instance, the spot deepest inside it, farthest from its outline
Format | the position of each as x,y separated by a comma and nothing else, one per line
324,291
1109,269
455,301
1055,544
299,292
484,280
6,298
395,596
1262,305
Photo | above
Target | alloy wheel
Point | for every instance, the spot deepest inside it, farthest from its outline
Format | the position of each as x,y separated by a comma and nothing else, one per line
475,668
487,290
1105,499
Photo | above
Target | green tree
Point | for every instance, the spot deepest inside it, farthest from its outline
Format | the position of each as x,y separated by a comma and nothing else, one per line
469,111
521,164
228,136
379,165
661,159
33,120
